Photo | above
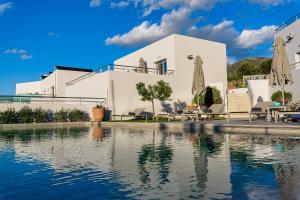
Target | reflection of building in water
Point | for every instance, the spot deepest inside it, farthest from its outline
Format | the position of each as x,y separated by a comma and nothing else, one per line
269,161
288,172
175,165
67,147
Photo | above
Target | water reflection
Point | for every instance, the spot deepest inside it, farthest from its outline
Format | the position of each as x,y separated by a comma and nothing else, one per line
147,164
156,156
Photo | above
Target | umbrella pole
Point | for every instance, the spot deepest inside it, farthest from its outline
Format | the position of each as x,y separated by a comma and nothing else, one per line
282,94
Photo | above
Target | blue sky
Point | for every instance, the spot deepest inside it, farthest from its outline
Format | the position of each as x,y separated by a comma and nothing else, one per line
35,35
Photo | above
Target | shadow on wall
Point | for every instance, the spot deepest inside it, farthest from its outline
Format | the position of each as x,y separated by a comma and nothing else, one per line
177,107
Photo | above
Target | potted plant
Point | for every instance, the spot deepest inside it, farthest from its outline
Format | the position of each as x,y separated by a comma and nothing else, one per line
277,96
98,113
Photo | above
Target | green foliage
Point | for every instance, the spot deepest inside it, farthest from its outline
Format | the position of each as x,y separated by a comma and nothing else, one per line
246,67
147,94
25,115
41,116
61,116
277,96
98,106
160,91
9,116
209,96
76,115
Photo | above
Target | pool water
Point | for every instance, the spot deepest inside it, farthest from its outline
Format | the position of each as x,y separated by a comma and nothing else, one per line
96,163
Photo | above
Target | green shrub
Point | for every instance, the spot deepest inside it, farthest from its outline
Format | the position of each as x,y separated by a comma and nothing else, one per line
25,115
61,116
9,116
209,96
76,115
277,96
41,115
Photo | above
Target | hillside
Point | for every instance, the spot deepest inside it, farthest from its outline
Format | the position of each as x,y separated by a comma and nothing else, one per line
249,66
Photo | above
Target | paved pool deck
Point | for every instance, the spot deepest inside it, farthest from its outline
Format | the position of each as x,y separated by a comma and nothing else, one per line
219,126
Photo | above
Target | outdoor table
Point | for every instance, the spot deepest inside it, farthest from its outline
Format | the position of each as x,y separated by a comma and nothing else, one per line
269,109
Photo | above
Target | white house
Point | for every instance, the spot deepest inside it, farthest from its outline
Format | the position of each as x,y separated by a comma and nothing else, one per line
259,87
170,59
53,83
290,32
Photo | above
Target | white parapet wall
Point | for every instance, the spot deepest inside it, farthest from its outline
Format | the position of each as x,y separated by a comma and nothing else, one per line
259,90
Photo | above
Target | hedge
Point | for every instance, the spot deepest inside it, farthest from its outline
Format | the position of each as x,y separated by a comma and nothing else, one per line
39,115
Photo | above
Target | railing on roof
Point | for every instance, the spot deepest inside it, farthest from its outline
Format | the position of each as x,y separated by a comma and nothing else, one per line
288,22
255,77
27,99
122,68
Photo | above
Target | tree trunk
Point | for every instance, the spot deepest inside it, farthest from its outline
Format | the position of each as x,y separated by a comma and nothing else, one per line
152,101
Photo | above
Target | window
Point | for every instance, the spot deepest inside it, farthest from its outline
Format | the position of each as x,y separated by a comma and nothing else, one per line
162,67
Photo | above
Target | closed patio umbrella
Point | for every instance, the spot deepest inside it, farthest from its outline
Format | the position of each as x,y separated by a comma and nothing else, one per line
142,66
198,78
280,70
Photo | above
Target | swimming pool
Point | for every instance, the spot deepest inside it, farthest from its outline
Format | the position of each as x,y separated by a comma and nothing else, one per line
96,163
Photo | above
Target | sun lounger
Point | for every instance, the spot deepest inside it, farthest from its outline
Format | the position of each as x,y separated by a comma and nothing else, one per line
136,114
214,110
260,109
238,104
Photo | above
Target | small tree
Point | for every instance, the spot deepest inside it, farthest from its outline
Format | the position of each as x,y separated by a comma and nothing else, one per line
160,91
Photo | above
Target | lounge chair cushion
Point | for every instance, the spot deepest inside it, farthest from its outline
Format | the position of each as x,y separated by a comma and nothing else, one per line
262,106
216,109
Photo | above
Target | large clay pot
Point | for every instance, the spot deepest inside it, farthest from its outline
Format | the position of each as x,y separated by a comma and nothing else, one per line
98,114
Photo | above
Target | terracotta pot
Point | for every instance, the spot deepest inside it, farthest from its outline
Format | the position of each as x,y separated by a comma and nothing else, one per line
98,134
98,114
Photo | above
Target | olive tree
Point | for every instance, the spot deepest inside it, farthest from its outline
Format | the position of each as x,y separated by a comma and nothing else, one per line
160,91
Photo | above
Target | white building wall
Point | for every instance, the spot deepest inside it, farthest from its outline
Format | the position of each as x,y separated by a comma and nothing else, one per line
123,95
175,49
213,55
162,49
293,52
28,88
48,83
95,86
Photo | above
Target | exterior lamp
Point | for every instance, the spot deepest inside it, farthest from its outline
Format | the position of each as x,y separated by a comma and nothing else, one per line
190,57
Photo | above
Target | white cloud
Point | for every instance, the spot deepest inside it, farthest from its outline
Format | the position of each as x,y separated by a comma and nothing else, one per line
26,57
21,52
151,5
121,4
269,2
5,6
53,34
15,51
223,32
252,38
173,22
95,3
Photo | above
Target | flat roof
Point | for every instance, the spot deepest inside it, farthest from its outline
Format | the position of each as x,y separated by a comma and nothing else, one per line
73,69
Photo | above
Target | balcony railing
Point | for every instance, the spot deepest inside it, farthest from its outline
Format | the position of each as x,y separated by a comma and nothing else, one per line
255,77
288,22
26,99
122,68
